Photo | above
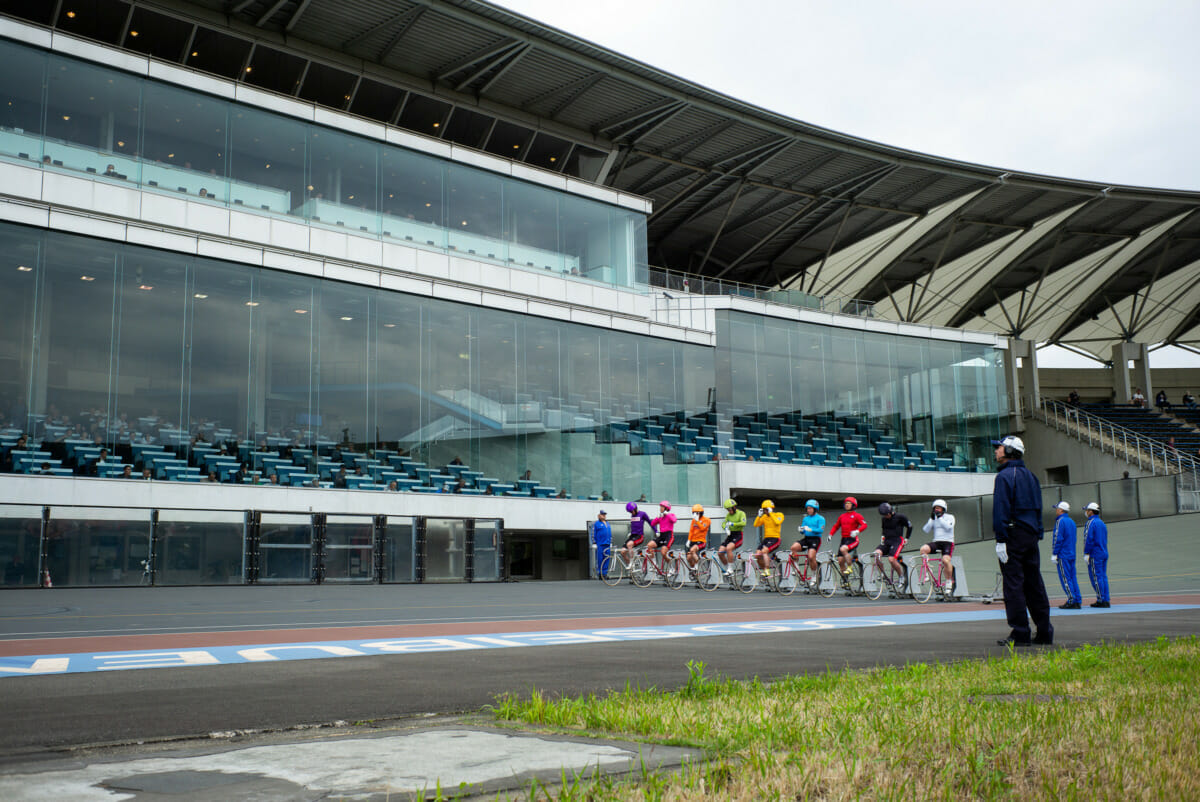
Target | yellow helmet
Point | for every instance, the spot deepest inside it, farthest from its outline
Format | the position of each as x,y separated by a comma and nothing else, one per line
697,508
768,505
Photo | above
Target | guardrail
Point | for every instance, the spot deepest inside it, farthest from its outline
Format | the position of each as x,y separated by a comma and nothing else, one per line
1123,443
675,281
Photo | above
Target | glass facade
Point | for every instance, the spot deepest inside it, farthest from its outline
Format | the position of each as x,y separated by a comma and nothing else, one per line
126,346
71,116
949,397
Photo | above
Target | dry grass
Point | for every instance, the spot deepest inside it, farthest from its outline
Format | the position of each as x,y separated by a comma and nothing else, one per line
1100,722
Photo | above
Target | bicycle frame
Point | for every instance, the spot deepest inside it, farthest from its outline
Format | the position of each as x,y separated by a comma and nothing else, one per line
884,574
928,580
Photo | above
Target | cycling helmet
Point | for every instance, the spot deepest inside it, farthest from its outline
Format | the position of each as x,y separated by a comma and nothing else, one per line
666,505
885,509
768,504
630,507
730,504
697,508
941,502
852,501
812,502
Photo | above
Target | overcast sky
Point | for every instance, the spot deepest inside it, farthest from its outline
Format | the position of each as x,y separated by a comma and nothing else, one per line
1101,90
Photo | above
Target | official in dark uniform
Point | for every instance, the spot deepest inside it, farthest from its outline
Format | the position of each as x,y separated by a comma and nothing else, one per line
1017,523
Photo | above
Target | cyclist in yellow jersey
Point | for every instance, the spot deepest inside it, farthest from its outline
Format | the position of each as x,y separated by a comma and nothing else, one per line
771,522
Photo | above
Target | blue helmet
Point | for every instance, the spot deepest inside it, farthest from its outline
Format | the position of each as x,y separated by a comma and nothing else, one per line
812,502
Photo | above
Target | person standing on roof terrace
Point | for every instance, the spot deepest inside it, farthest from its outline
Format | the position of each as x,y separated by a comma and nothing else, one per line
1063,555
637,529
1017,525
735,522
941,526
1095,553
812,529
849,524
771,522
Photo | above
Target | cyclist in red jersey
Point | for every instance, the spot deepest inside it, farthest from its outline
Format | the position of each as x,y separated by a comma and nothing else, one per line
849,524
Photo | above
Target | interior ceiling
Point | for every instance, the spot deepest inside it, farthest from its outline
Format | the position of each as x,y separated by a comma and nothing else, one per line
747,195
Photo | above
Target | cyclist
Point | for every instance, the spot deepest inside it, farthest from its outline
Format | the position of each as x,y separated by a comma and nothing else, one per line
771,522
811,529
849,524
941,525
1095,553
735,522
697,534
1063,555
664,526
897,529
637,529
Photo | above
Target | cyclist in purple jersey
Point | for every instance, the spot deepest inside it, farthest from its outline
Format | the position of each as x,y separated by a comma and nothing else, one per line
637,528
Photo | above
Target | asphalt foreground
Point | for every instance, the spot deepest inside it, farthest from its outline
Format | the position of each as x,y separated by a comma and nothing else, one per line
387,724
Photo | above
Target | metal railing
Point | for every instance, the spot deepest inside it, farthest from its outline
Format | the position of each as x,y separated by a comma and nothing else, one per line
675,281
1111,438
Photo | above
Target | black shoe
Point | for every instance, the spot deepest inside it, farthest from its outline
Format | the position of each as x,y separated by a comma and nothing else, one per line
1099,604
1070,606
1011,641
1043,640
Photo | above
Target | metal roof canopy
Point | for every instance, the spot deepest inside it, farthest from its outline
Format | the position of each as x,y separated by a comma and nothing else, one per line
748,195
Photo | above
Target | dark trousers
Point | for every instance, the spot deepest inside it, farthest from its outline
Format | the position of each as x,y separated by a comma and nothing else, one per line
1023,587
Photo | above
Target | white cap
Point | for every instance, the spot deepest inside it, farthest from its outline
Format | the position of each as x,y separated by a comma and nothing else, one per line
1062,505
1093,506
1013,442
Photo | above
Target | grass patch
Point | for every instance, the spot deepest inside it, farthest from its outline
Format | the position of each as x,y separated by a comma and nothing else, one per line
1099,722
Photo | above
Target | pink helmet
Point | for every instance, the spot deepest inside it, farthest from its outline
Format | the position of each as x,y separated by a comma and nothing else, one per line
666,505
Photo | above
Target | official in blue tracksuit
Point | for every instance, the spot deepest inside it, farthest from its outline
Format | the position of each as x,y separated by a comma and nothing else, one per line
1063,555
1017,524
1095,552
602,537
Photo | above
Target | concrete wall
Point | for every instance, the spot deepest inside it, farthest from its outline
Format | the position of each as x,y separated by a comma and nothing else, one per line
1095,385
1049,449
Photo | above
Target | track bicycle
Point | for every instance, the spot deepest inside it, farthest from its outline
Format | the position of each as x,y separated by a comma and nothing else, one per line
790,571
885,577
833,579
929,579
746,576
667,565
615,567
709,571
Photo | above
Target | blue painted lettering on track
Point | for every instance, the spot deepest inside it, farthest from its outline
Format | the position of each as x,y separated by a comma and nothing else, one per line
258,653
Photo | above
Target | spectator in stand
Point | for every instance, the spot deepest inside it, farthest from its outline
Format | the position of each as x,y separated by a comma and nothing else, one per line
1160,401
339,478
1139,398
1073,398
393,486
127,473
456,461
605,496
562,494
459,486
241,474
147,474
211,478
1189,400
273,480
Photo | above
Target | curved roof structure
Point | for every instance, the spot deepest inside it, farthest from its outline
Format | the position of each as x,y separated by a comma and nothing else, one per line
739,193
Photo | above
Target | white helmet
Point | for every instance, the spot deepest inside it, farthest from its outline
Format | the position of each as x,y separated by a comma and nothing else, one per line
1062,505
1093,506
941,502
1012,443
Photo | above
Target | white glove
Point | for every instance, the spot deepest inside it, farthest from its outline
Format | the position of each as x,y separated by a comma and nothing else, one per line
1053,558
854,532
760,512
802,528
1087,558
1002,552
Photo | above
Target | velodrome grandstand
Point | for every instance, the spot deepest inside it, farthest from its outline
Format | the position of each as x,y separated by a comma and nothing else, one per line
407,290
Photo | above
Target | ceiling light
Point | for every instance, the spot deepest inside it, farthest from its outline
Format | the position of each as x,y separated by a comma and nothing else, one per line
251,303
170,155
464,222
195,53
300,311
389,325
70,15
133,33
66,116
24,268
428,205
349,197
200,295
516,147
347,318
247,69
87,278
145,286
553,158
120,143
437,125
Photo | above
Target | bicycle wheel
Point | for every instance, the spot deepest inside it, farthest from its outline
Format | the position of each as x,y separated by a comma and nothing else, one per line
612,570
829,581
875,590
856,579
786,577
708,574
922,584
746,575
641,573
677,572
